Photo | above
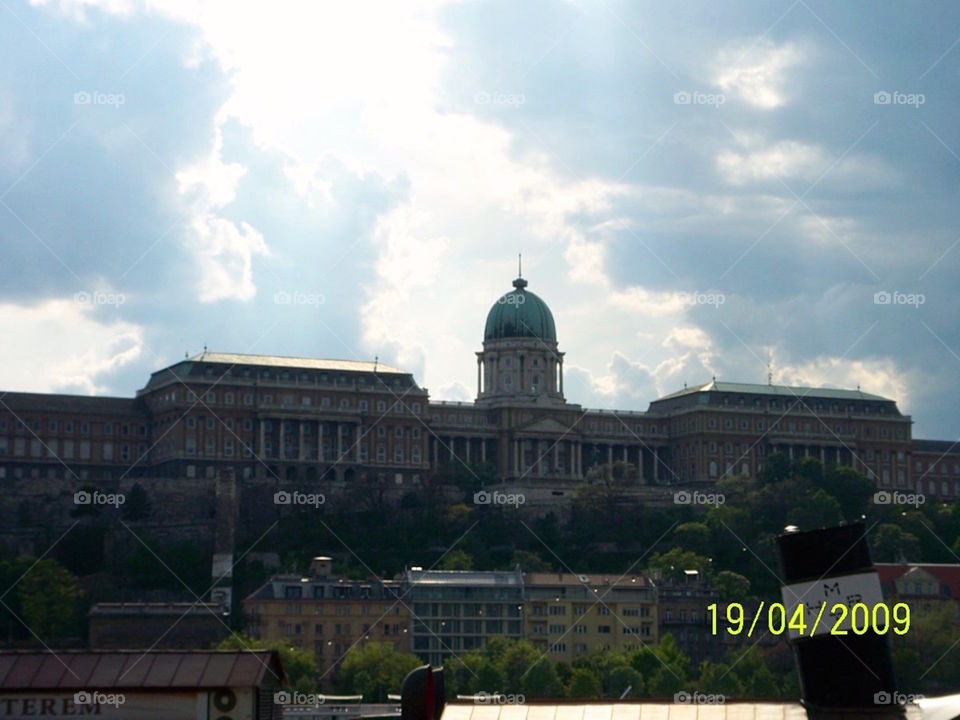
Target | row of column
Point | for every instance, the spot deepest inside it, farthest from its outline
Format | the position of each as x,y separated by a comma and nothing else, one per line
342,433
546,456
449,445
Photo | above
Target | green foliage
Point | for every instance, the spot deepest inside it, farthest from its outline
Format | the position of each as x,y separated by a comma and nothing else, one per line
49,601
375,669
675,561
151,567
693,536
743,675
664,667
456,560
733,587
892,544
584,684
816,510
528,562
299,665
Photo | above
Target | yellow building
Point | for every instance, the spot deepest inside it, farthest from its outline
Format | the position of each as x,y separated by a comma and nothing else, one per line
570,615
327,615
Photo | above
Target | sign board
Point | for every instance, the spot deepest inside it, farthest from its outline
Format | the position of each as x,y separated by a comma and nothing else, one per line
225,704
820,596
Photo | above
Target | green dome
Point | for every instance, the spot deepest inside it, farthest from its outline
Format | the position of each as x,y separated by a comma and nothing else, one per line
520,313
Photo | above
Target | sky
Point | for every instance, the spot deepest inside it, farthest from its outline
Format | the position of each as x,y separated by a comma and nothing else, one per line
698,190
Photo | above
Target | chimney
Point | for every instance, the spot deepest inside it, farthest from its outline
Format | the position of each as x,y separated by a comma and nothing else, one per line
838,670
221,589
321,567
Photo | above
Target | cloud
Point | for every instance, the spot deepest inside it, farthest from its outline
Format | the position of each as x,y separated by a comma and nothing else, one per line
755,71
35,338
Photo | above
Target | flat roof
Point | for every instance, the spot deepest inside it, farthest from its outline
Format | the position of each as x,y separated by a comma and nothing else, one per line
476,578
943,447
138,609
81,404
298,363
664,709
790,391
134,670
585,580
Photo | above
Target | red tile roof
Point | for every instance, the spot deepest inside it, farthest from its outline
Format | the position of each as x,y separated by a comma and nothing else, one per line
947,573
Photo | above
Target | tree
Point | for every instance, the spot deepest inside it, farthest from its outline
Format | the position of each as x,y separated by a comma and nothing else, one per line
469,673
299,665
733,587
664,667
672,563
50,601
744,675
527,671
456,560
852,490
817,510
583,685
621,679
693,536
374,669
891,544
137,505
776,468
528,562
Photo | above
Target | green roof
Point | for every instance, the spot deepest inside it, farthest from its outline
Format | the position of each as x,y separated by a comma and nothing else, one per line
788,391
520,313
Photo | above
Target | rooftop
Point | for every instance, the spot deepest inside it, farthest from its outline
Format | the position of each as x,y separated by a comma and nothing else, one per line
296,362
942,447
135,669
137,609
475,578
788,391
585,580
81,404
662,710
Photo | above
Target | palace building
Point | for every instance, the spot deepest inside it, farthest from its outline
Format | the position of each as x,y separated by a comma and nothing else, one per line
344,420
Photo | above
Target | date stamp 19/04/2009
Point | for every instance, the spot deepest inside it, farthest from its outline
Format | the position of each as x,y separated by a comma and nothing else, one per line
841,619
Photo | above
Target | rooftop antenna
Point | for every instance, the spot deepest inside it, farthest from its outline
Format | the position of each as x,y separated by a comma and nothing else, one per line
520,265
769,367
376,360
